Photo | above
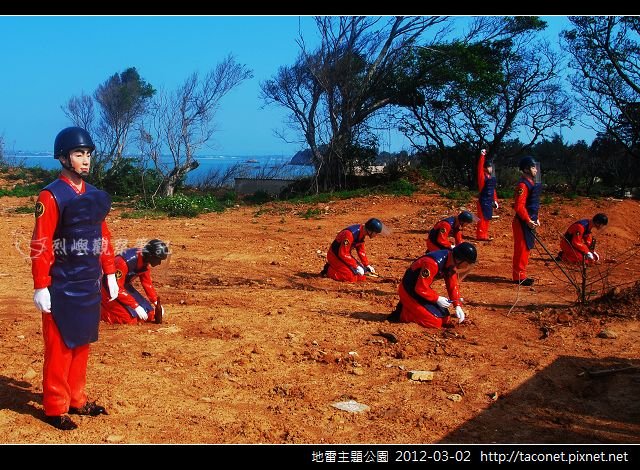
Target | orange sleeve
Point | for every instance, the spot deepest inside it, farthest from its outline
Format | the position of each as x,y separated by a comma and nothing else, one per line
147,285
443,229
42,255
345,238
519,203
458,237
452,288
577,240
480,171
106,257
428,272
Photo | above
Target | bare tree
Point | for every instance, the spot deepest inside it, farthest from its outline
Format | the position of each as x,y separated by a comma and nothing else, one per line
498,82
182,121
79,110
122,101
334,90
606,55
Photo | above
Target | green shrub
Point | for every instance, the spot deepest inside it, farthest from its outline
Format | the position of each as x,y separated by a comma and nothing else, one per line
401,187
309,213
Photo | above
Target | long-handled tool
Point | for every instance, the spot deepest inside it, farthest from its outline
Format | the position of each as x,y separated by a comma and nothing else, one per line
555,261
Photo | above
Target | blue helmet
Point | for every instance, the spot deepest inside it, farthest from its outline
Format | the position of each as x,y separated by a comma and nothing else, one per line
526,162
155,249
465,252
71,138
373,225
600,219
465,217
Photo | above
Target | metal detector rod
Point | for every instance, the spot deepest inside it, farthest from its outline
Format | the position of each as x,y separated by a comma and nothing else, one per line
554,260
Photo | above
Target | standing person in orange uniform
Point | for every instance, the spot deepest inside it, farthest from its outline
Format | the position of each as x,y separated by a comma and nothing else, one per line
438,237
419,303
131,307
487,196
525,221
341,265
578,243
70,251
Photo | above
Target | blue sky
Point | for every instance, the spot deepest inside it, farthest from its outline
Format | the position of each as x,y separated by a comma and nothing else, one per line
46,60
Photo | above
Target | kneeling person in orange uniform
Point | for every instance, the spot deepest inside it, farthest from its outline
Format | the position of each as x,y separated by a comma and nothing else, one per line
341,265
438,237
419,303
131,307
578,244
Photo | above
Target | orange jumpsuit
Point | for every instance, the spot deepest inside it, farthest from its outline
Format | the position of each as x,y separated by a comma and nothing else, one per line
438,237
342,265
526,205
64,370
418,299
486,196
577,242
115,311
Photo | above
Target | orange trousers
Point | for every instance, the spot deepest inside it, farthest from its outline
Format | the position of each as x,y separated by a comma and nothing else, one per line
413,312
520,252
482,228
115,312
64,372
340,271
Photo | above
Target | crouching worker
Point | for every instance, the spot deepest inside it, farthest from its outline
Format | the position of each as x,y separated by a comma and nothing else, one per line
341,265
419,303
131,307
578,243
438,237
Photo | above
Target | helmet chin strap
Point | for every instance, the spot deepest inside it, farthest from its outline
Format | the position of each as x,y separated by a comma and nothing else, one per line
69,167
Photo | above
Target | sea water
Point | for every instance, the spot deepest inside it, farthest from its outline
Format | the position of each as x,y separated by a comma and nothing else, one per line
247,166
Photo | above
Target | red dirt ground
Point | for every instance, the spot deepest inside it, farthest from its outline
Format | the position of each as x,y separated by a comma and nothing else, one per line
257,347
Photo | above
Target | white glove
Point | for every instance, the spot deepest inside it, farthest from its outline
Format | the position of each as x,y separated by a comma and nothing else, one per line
596,256
371,269
141,313
443,302
42,299
483,152
496,205
112,284
453,245
460,313
360,270
590,256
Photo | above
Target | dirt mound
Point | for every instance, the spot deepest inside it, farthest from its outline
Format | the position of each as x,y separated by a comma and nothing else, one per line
623,303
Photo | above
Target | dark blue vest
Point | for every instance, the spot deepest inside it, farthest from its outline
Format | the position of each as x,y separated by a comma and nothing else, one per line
76,270
433,233
486,196
410,279
533,206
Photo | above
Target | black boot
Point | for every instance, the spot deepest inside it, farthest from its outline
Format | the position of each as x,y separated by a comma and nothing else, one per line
62,422
325,270
90,408
394,317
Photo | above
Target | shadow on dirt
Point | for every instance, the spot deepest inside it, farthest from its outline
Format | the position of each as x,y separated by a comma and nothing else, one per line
368,316
490,279
16,395
573,400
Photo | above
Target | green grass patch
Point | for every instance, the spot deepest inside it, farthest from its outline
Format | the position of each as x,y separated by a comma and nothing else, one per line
24,210
144,214
311,213
22,190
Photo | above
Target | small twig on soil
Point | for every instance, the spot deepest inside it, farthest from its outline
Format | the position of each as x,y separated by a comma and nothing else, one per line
461,390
